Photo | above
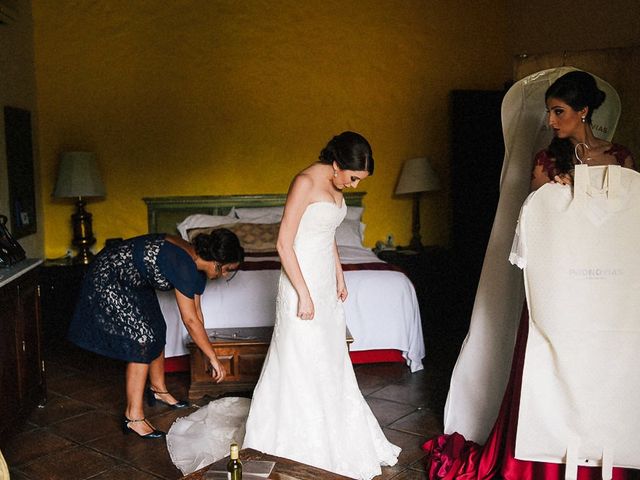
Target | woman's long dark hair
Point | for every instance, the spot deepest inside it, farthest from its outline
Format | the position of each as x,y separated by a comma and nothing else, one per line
221,245
577,89
350,151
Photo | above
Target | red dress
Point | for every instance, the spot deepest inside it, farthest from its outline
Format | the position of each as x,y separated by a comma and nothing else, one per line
452,457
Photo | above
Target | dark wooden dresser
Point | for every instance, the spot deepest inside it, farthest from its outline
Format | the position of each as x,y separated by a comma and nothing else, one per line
22,372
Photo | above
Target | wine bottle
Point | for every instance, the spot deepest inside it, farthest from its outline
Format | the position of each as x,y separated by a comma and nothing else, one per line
234,466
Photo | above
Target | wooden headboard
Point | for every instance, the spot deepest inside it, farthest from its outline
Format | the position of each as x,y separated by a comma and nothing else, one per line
164,213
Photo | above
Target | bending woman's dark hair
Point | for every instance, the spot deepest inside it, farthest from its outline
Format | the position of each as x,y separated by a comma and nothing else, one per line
350,151
577,89
221,245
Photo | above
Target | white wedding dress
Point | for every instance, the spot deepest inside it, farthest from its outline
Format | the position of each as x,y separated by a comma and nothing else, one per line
307,405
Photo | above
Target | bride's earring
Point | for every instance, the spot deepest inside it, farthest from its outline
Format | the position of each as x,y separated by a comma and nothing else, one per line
335,173
584,119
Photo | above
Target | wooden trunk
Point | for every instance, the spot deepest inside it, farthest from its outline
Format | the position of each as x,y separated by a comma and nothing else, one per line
241,351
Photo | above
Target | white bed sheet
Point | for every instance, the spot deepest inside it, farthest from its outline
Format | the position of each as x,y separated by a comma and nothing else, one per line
381,311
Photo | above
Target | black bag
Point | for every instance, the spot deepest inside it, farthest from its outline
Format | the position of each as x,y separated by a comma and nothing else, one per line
10,250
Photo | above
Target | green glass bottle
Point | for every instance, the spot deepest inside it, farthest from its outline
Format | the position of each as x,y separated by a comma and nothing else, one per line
234,466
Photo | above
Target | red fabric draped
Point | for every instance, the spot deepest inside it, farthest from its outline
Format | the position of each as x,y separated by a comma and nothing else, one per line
453,457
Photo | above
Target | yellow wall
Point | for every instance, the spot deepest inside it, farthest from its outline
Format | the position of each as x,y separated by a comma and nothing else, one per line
18,89
222,97
544,26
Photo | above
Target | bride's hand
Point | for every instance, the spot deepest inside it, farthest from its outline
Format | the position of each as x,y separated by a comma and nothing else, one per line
342,292
216,369
305,308
563,179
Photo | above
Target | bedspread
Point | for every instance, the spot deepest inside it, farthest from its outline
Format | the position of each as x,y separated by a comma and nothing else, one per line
381,310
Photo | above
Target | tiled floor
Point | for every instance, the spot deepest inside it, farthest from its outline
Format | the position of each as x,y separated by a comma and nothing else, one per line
77,434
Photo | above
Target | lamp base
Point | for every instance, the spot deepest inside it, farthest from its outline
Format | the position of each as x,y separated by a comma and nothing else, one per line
415,243
83,257
83,237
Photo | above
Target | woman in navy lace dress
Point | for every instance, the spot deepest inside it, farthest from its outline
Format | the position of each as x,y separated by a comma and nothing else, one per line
118,314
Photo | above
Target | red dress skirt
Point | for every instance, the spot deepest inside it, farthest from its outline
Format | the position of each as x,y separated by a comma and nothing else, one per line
452,457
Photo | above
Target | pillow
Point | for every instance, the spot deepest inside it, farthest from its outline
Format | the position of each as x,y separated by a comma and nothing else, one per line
200,220
254,237
350,233
260,214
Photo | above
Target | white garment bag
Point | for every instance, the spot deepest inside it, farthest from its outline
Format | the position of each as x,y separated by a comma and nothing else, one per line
481,372
580,392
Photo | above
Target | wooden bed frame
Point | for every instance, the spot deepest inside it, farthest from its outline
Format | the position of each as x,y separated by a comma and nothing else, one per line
164,213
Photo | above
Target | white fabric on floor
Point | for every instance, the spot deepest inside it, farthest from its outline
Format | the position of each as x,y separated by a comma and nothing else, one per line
481,372
582,277
204,436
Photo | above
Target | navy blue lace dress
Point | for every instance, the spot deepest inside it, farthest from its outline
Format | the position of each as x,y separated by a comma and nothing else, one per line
118,314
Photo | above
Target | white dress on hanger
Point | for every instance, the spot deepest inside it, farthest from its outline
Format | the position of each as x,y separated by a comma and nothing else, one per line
307,405
578,248
481,372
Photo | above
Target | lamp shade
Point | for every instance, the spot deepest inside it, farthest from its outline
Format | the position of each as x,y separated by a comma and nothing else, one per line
417,176
78,176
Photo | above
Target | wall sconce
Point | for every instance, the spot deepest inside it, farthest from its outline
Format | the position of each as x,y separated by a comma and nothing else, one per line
417,176
79,178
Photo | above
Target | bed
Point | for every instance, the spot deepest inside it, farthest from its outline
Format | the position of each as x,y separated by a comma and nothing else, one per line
382,310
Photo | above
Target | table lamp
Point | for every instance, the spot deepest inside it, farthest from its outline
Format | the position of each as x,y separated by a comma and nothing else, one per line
79,178
417,176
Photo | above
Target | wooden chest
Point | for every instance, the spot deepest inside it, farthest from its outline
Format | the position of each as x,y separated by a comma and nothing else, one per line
241,351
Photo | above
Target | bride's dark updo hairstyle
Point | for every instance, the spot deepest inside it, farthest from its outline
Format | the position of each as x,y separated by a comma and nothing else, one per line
221,245
350,151
577,89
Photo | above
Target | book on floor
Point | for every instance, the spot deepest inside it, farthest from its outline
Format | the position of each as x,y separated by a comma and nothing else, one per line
251,470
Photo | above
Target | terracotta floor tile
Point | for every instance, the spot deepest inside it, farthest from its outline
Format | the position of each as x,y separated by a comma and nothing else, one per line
28,446
414,390
156,461
390,472
68,384
370,383
17,475
88,426
125,472
58,408
410,475
420,464
106,397
71,464
55,369
126,447
410,443
388,412
421,422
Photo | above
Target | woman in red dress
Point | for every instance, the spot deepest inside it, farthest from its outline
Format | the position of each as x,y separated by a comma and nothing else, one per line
570,101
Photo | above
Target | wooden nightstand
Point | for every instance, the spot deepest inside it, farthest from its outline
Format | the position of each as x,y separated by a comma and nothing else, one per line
60,282
429,271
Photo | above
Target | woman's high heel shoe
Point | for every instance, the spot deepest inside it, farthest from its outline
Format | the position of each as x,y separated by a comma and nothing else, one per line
153,434
152,399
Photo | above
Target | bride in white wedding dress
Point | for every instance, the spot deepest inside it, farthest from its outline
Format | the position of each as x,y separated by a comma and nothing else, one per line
307,405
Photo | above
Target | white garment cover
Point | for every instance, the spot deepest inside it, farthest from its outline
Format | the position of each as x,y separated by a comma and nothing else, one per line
307,405
579,401
481,372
